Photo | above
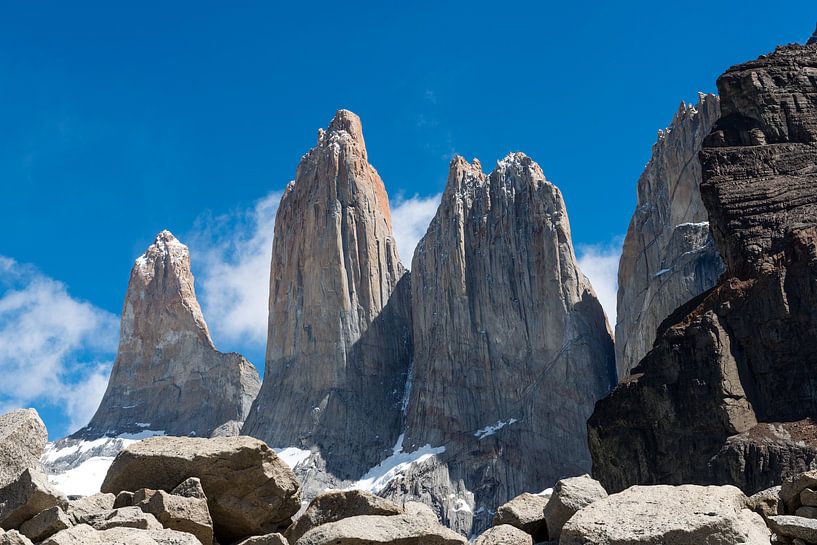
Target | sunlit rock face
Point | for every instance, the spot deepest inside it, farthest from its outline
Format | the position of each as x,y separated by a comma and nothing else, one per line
168,375
339,342
668,256
727,394
512,348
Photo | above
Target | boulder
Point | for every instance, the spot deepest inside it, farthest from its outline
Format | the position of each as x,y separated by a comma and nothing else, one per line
339,504
526,512
124,517
123,499
792,488
22,440
13,537
417,526
808,497
766,502
250,491
88,505
180,513
46,524
570,495
669,515
85,535
794,527
269,539
25,497
504,534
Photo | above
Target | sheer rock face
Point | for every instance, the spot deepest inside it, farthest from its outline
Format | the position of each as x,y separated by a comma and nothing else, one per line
668,256
168,375
512,348
339,340
727,394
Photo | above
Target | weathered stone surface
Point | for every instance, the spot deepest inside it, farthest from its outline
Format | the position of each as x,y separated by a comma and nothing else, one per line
45,524
668,255
123,499
794,486
808,497
124,517
269,539
417,526
25,497
501,313
249,490
526,512
504,534
682,515
167,373
794,527
190,488
22,440
706,403
570,495
228,429
339,504
13,537
180,513
339,341
87,505
85,535
766,502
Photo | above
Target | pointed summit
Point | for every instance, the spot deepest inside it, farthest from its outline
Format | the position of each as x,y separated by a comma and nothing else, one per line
339,324
813,39
168,375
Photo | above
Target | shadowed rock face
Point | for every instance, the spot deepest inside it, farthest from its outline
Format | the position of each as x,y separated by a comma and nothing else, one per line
168,375
727,394
512,348
339,341
668,256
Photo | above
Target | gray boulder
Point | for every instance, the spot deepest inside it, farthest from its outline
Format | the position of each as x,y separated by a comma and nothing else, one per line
504,534
22,440
339,504
85,535
417,526
794,527
190,488
46,524
269,539
177,512
250,491
13,537
669,515
526,512
766,502
793,486
570,495
25,497
124,517
89,505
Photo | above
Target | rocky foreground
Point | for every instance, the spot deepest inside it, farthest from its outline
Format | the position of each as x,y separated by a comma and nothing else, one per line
235,490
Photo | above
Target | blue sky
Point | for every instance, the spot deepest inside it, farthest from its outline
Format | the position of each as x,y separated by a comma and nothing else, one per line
117,121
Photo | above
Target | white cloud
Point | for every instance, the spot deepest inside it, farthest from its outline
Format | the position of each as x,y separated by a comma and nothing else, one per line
599,262
410,219
55,350
231,256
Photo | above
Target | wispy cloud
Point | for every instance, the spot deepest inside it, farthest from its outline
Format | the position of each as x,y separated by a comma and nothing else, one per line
231,256
599,262
55,350
410,219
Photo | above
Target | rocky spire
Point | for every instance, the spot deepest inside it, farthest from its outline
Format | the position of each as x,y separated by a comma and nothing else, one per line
168,375
727,395
339,340
668,256
512,348
813,39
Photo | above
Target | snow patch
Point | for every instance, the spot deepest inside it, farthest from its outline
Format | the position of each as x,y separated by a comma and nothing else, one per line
292,456
85,479
693,224
380,475
490,430
662,271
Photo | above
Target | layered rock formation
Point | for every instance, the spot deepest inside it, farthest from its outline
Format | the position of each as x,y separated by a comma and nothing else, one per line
727,394
168,375
668,256
512,348
339,340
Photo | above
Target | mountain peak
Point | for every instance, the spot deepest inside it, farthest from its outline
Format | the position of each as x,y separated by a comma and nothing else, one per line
813,39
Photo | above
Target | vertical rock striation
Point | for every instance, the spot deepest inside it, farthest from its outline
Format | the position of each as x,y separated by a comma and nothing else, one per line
168,375
512,348
339,341
728,393
668,256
